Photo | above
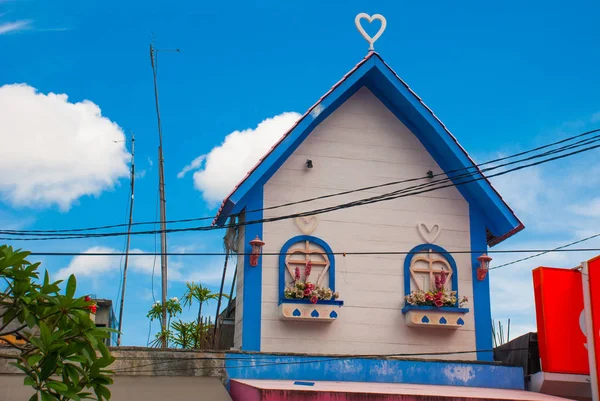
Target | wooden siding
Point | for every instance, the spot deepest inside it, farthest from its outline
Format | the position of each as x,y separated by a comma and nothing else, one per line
363,144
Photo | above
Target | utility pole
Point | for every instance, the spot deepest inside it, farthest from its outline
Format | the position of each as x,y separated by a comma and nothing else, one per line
163,204
128,240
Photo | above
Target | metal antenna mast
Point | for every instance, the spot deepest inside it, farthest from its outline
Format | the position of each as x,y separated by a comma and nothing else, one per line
163,199
128,240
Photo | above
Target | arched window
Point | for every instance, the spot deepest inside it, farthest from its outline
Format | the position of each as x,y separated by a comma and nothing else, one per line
423,263
296,252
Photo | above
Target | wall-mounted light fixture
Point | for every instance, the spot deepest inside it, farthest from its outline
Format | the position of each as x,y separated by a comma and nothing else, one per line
256,245
484,266
430,174
309,163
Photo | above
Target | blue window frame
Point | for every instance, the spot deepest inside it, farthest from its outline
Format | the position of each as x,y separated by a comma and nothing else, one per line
434,248
282,268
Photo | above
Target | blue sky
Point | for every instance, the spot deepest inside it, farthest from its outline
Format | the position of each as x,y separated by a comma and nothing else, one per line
503,76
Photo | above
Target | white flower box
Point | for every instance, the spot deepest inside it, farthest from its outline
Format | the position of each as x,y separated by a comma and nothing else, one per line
322,311
433,317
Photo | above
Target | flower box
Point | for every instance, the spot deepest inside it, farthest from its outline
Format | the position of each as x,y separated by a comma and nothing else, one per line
302,309
431,316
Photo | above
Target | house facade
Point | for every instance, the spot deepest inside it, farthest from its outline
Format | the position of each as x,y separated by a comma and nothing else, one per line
396,202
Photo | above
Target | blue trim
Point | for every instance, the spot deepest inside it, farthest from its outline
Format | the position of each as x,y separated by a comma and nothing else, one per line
481,289
374,370
396,96
252,276
282,269
435,308
306,301
434,248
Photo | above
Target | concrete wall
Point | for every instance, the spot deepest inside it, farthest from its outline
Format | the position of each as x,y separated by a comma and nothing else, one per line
363,144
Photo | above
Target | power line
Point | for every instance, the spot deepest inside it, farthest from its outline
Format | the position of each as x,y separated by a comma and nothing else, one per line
579,143
405,192
354,253
558,249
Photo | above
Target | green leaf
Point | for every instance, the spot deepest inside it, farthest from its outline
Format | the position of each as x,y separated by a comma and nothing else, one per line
102,392
48,366
31,321
71,286
77,358
34,397
45,335
33,359
103,349
28,381
46,396
58,386
72,373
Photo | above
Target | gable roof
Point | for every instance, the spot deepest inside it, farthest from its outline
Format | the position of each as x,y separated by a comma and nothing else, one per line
372,72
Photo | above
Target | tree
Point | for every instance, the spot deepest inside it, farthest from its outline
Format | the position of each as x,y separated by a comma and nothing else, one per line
199,293
173,309
58,351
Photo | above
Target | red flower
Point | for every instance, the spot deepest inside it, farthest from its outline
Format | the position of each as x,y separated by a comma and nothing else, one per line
310,286
307,292
438,303
437,296
428,297
313,300
93,308
297,273
307,269
87,298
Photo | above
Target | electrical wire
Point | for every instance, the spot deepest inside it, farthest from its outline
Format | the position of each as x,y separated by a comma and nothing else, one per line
330,195
410,191
355,253
558,249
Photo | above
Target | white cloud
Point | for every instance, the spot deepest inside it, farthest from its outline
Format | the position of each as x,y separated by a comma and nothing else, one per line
54,151
15,26
100,267
590,209
194,165
226,164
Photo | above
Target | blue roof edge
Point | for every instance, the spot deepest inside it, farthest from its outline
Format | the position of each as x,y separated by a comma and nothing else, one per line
397,96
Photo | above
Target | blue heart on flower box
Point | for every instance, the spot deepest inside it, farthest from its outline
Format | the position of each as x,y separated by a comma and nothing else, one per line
314,313
333,314
460,321
425,319
443,320
296,312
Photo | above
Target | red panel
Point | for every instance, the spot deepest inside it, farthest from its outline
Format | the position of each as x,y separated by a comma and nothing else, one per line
594,275
559,306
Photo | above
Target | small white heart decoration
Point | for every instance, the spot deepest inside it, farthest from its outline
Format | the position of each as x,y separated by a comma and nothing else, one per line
368,38
307,224
429,234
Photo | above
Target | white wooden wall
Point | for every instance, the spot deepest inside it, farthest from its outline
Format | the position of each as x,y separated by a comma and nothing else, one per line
363,144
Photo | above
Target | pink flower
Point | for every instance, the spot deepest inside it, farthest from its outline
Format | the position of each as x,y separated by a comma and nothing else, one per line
443,277
307,269
297,273
307,292
313,300
310,286
428,297
438,303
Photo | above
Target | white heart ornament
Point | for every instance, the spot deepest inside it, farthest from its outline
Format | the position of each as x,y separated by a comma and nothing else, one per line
362,31
429,234
308,224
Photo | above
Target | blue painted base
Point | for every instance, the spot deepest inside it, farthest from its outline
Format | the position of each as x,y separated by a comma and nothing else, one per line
334,368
